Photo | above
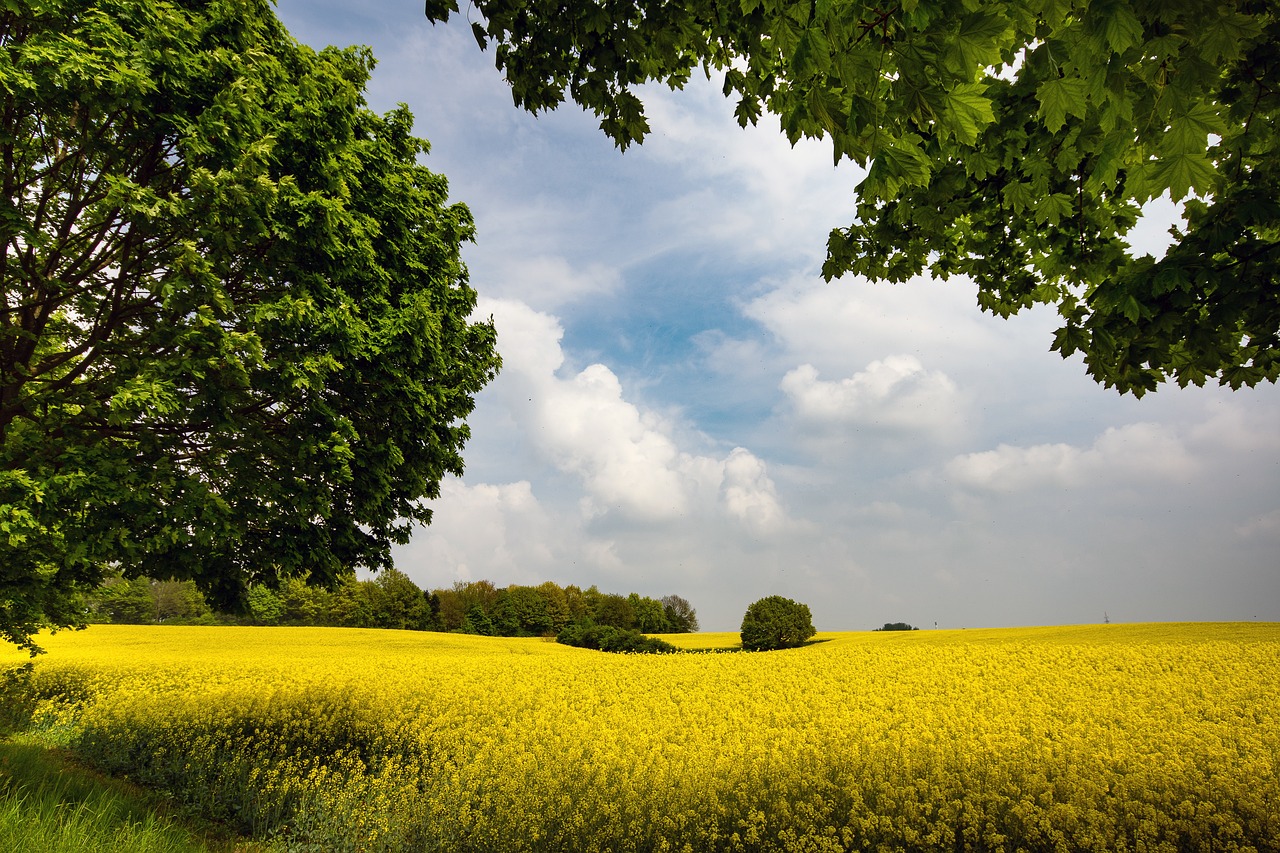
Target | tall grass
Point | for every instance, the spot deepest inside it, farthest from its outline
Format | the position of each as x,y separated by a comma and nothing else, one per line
48,805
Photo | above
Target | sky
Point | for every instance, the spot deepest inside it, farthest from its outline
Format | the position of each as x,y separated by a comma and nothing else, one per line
687,408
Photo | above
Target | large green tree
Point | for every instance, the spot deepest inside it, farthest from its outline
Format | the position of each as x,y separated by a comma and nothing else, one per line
234,334
775,623
1012,141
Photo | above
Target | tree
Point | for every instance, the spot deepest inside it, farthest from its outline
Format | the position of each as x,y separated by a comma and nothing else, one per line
613,609
680,614
450,609
557,604
521,611
1012,142
650,617
126,601
776,623
477,622
608,638
263,605
402,604
179,601
234,343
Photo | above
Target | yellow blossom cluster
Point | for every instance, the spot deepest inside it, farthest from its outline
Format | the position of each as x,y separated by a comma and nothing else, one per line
1108,738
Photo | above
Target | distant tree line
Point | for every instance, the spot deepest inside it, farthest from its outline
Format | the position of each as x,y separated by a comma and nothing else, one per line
392,600
896,626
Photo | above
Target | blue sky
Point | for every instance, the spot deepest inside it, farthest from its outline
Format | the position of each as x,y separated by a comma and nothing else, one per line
686,407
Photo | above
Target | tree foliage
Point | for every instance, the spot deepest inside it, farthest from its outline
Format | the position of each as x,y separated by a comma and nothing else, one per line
681,617
234,343
775,622
392,600
1012,142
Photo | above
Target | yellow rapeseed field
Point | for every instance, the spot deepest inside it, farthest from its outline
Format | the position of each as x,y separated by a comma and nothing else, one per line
1109,737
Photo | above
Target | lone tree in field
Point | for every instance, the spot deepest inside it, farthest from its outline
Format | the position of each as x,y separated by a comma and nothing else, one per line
234,335
776,623
1010,141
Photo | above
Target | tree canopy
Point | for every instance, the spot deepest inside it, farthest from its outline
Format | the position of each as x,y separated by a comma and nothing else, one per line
775,622
234,335
1012,142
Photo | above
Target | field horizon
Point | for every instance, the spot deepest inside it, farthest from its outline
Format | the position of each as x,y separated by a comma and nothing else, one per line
1120,736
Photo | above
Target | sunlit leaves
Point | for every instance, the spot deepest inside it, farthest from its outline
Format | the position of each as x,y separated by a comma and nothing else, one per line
965,112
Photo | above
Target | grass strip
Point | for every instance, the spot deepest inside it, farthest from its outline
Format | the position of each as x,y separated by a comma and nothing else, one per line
49,804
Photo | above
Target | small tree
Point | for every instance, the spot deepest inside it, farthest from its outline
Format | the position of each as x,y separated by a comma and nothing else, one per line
776,623
680,613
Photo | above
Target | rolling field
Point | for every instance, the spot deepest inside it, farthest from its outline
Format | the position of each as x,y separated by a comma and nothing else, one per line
1108,737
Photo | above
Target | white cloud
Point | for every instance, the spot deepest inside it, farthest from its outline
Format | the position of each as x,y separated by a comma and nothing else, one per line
840,326
894,392
1136,452
749,495
549,281
484,531
627,458
781,198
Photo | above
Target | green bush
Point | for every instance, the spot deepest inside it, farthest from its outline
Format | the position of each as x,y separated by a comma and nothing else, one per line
607,638
776,623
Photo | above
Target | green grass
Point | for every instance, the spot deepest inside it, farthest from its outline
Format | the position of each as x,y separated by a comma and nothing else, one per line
50,805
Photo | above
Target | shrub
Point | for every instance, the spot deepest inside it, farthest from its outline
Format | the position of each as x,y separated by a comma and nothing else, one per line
776,623
607,638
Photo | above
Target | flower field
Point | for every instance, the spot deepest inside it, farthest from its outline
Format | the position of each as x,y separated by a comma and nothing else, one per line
1109,737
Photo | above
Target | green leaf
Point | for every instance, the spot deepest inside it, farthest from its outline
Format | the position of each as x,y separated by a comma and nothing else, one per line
1181,173
812,55
966,111
1121,28
1131,308
1222,39
1052,208
1107,163
1069,340
1188,132
1017,196
1059,98
977,43
898,163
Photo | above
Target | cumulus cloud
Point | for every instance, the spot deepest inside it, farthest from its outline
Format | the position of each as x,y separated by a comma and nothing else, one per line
549,281
485,531
894,392
1140,451
749,495
626,457
782,198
